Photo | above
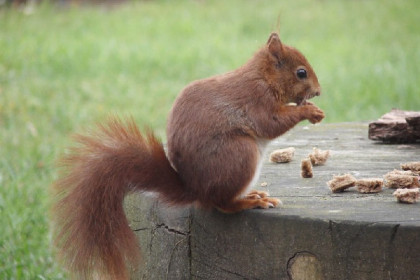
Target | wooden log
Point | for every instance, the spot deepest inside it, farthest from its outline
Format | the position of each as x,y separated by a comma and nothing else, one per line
316,234
396,126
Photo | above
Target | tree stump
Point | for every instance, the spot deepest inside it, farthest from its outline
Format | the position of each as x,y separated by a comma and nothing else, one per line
396,126
316,234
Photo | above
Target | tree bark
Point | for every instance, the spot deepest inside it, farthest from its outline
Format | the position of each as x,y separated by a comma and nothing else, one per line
396,126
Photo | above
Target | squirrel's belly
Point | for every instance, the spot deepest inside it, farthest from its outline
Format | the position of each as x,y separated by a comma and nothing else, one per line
262,147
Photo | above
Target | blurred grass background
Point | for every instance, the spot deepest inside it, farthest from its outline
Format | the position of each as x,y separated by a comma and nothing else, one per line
63,68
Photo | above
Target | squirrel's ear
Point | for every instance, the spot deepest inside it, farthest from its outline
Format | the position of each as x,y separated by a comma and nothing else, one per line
274,45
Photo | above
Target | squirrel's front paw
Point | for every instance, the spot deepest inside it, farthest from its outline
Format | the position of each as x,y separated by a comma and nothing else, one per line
314,114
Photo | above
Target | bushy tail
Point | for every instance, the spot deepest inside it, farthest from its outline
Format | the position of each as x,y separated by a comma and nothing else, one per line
90,228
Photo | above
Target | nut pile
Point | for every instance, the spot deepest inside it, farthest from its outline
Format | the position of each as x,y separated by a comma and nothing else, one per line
406,182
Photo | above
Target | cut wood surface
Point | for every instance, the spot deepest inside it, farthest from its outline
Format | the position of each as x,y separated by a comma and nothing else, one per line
351,152
345,235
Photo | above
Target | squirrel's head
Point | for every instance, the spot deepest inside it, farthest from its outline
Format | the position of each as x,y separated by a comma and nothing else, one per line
288,72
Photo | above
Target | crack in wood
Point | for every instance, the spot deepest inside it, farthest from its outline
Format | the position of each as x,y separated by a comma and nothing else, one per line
141,229
171,230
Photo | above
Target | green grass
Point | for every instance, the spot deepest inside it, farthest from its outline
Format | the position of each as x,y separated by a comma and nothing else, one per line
61,70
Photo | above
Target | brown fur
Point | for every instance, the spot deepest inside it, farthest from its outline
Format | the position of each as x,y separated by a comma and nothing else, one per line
222,118
217,131
92,231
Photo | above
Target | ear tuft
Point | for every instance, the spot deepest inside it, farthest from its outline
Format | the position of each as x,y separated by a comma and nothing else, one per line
273,36
274,45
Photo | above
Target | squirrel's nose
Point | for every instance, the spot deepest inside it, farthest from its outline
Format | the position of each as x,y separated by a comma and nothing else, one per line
317,93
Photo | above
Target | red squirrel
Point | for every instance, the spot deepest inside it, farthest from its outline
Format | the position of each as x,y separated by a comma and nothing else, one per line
217,131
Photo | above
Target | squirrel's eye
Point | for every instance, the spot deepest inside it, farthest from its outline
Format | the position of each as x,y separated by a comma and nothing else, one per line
301,73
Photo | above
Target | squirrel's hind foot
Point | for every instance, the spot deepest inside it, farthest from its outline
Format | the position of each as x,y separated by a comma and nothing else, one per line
255,199
254,194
